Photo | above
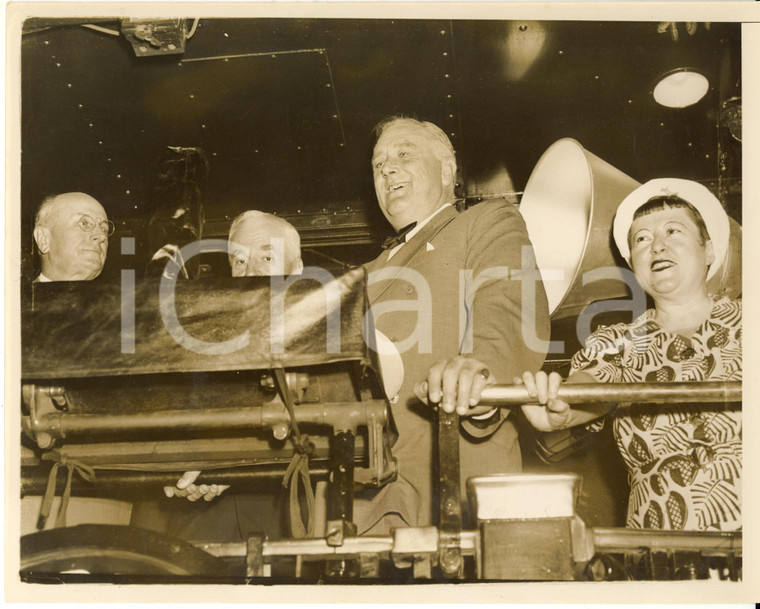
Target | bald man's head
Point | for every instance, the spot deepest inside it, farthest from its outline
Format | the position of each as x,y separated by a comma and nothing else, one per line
71,232
262,244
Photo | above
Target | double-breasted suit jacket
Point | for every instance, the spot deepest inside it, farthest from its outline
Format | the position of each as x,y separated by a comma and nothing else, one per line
458,286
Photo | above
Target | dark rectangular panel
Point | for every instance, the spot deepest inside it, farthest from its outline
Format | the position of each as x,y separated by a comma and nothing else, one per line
75,328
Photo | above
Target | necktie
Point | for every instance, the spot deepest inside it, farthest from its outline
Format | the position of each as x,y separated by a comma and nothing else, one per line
399,237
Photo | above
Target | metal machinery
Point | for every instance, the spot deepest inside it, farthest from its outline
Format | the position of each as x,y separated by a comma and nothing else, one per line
129,384
121,392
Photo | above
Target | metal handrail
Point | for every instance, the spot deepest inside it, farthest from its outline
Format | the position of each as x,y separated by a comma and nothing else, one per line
507,396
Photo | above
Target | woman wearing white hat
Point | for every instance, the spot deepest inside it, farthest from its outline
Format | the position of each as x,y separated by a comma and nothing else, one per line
684,461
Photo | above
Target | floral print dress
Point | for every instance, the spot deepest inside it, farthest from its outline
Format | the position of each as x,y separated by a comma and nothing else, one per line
684,461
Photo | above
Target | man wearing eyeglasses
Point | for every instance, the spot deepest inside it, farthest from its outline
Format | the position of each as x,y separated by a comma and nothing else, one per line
71,231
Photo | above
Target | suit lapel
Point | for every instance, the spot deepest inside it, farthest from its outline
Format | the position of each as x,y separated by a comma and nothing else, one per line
409,251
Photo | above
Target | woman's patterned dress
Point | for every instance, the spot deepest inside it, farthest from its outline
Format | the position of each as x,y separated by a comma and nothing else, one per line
684,461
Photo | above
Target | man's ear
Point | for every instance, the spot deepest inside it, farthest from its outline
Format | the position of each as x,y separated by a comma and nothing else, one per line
448,172
42,239
297,267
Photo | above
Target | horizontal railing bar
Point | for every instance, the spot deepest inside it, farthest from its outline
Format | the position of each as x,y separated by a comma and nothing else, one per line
335,414
709,543
585,393
318,548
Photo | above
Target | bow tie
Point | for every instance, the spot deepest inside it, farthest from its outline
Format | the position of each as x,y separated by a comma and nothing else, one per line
399,237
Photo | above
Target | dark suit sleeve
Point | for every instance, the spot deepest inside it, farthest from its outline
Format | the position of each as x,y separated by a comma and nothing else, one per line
507,312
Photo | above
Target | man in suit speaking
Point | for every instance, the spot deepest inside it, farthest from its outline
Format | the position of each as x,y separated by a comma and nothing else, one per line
450,283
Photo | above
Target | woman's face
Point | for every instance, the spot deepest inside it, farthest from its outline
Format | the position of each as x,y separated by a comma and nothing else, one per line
667,257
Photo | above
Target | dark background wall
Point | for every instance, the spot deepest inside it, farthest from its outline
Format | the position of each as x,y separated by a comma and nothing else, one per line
283,110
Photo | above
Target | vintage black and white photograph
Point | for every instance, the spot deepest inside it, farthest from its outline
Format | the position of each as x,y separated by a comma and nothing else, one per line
376,298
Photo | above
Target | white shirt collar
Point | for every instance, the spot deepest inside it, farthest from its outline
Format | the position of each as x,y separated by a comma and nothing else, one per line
416,229
42,279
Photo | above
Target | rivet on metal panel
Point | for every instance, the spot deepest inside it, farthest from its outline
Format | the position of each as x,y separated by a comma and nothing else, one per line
192,96
328,85
80,106
57,65
443,32
69,85
46,42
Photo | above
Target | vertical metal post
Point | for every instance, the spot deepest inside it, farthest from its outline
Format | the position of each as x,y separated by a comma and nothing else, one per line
254,557
340,504
450,509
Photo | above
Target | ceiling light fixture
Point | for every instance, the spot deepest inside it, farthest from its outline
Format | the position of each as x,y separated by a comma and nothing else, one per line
680,88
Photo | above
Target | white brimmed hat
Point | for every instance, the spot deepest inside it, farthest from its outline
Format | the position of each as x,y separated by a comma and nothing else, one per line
701,198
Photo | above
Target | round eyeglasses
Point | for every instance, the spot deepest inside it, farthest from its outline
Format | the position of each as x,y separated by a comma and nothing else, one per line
87,224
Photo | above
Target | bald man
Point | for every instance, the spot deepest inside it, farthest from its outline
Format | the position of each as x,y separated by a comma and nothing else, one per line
71,232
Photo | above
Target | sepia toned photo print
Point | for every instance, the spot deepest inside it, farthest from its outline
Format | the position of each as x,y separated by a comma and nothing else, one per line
444,300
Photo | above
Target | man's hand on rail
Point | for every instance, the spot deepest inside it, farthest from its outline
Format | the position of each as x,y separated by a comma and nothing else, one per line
187,488
456,384
551,413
